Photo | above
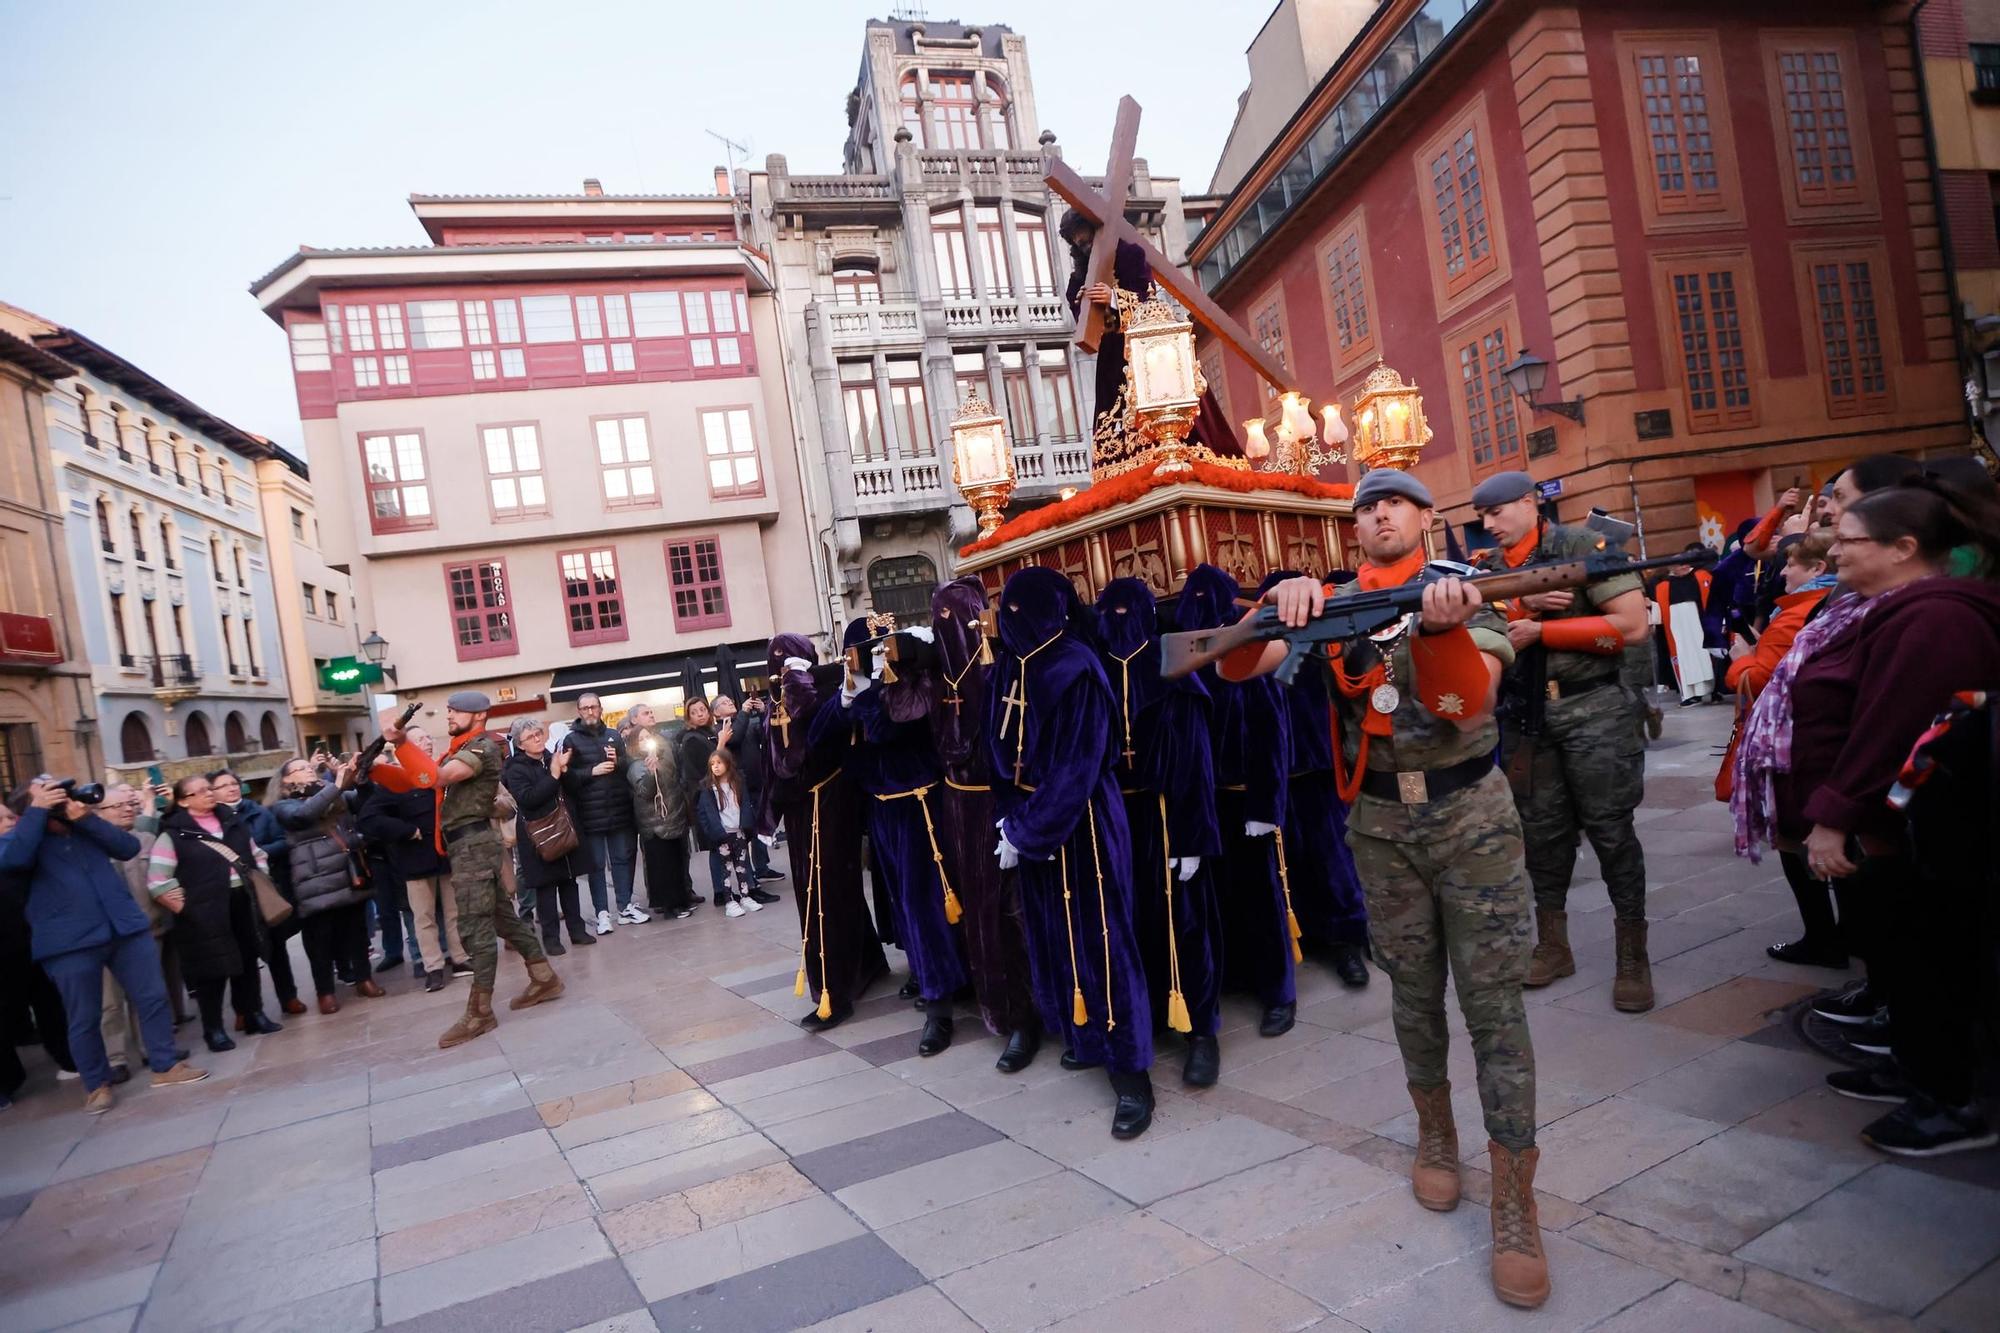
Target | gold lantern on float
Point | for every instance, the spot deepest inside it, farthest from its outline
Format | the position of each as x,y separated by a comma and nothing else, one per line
1389,425
982,461
1163,382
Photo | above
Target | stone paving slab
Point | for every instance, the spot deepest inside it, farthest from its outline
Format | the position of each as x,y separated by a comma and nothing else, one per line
666,1149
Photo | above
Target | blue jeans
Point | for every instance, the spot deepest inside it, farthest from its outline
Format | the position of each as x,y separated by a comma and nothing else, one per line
617,850
79,977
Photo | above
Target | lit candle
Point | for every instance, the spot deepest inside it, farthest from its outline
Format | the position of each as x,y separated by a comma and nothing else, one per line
1255,445
1334,431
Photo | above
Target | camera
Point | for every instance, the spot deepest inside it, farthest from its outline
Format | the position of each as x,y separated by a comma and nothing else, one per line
83,793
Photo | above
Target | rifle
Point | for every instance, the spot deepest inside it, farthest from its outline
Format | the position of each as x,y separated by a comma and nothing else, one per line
1357,616
366,759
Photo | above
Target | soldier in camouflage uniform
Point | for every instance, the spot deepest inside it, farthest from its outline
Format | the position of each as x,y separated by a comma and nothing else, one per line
1576,757
470,775
1437,843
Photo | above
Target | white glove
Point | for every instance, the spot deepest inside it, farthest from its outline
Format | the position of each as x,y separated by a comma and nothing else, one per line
1009,854
797,664
922,633
1188,866
1257,829
879,661
770,840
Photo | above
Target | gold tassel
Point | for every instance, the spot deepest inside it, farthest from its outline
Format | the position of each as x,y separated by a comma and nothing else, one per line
825,1003
888,672
985,650
1298,954
1177,1012
1285,882
799,984
1103,918
952,911
1077,1013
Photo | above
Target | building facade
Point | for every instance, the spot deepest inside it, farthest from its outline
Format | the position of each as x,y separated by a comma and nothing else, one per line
317,610
1714,222
169,566
928,269
47,715
553,446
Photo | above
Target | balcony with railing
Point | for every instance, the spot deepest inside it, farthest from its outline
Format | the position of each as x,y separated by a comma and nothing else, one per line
983,171
1006,314
849,326
884,486
173,674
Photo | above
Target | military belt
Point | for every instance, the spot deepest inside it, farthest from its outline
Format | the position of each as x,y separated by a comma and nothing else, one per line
452,835
1568,689
1421,786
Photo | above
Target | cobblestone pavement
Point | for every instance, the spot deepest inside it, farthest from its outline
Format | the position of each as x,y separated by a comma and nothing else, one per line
663,1148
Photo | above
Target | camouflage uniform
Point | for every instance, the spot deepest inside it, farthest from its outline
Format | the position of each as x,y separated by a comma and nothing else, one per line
1588,768
1446,888
485,908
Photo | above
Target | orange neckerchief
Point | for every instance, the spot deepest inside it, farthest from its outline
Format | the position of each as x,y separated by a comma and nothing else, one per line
1371,577
437,824
1518,554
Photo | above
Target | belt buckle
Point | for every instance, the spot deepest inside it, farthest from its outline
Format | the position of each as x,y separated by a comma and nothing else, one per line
1412,789
1555,689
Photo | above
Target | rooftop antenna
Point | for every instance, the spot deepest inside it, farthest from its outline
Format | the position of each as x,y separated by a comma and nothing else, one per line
730,150
907,13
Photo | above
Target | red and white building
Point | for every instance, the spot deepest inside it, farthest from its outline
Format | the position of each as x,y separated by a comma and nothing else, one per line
559,438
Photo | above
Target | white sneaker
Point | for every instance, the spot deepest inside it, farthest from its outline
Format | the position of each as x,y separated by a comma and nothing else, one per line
732,908
604,923
633,914
752,905
70,1075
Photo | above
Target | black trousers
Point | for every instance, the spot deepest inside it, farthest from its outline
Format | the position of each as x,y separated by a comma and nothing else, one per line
1927,967
667,881
557,905
245,996
1815,901
339,934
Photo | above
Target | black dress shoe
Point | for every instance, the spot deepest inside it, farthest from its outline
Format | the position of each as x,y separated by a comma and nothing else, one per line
417,970
581,937
218,1039
260,1024
461,969
120,1074
1278,1020
1807,953
937,1032
388,965
434,982
768,875
1350,966
758,895
908,991
1020,1053
1134,1114
1071,1060
1204,1062
812,1022
553,946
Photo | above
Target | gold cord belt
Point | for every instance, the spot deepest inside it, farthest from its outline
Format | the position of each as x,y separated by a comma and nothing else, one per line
952,910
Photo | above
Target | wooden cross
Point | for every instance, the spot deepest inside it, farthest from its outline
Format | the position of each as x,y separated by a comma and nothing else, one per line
1106,210
1015,699
781,718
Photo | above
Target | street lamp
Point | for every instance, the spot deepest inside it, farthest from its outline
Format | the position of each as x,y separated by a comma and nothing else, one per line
1527,375
375,648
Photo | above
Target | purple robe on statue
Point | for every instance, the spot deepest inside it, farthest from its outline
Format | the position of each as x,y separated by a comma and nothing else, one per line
820,807
1326,890
950,692
1252,742
1062,811
893,762
1167,777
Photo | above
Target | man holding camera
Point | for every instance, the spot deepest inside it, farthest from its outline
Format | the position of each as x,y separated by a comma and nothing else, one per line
83,919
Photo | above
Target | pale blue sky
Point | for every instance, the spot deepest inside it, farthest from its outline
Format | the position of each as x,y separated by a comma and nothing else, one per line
161,155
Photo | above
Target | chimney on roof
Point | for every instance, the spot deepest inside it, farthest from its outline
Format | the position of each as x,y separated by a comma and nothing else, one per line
593,188
722,181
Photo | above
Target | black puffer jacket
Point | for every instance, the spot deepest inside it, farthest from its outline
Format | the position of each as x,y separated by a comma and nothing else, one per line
322,870
599,804
535,793
202,932
401,827
746,747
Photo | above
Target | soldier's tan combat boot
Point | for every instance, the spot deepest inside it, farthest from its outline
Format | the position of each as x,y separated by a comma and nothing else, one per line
1632,992
1520,1269
1434,1178
476,1021
543,985
1552,956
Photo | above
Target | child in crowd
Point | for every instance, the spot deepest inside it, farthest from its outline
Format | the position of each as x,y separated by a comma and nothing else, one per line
720,813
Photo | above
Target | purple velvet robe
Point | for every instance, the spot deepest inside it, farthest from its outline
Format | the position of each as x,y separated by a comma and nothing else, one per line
891,760
1251,735
1064,814
807,789
950,694
1166,775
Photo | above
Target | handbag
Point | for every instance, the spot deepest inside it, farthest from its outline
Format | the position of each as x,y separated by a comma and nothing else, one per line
271,904
357,869
552,834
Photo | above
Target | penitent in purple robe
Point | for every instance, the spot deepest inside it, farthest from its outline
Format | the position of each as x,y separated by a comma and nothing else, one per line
949,692
1051,751
1166,774
893,763
1326,890
808,790
1251,734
